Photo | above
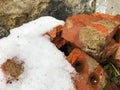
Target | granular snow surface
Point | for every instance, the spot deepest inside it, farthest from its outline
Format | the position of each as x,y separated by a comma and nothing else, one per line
45,67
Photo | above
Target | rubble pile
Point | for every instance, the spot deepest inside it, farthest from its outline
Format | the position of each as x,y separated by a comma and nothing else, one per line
89,41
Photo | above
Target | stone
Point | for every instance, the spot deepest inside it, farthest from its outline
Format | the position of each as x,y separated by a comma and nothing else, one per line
14,13
108,6
81,6
3,31
62,9
12,69
57,9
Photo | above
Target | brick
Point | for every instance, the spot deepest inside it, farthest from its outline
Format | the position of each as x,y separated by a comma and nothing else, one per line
110,49
91,33
55,36
116,57
90,75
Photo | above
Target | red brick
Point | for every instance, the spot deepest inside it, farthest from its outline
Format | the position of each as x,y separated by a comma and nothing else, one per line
90,75
55,36
110,50
116,57
91,33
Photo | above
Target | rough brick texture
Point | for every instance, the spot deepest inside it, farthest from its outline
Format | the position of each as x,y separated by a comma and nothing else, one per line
116,58
91,33
91,75
55,36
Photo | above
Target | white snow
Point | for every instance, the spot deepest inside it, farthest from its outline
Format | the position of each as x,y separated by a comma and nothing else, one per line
45,67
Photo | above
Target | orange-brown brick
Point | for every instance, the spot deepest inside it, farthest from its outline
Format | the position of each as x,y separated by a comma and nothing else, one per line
90,75
91,33
116,57
55,36
110,50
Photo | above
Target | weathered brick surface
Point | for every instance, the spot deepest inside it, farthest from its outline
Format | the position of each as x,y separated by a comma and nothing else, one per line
91,75
110,50
91,33
116,58
55,36
93,38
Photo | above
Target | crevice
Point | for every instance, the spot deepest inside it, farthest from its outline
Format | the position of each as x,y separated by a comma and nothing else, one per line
67,48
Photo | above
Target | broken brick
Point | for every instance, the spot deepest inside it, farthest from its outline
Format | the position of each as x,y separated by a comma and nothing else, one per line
55,36
91,33
116,57
110,50
90,75
97,35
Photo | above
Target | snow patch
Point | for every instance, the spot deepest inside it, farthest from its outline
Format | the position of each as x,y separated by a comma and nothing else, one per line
45,67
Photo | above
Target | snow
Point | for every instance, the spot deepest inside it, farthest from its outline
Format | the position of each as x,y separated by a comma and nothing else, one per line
45,67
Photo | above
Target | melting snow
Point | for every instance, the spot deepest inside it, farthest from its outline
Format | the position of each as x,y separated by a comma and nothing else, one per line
45,67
